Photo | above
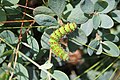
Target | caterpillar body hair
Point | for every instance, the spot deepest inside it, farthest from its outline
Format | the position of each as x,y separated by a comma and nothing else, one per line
55,39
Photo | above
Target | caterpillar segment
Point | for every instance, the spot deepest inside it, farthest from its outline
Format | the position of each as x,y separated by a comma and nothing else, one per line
55,40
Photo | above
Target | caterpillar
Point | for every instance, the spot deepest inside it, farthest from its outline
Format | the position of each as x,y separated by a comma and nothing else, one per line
55,39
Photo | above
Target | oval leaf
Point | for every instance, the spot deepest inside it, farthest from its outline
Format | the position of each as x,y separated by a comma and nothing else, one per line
106,21
78,37
100,5
77,15
111,48
43,10
85,8
2,16
45,20
21,72
57,6
111,5
116,15
87,27
110,37
92,46
96,21
99,50
33,44
46,65
60,75
8,36
9,2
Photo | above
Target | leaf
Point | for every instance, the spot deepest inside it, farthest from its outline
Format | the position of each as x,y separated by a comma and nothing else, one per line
111,5
92,74
110,37
13,10
77,15
85,8
21,72
43,75
106,75
3,74
96,21
60,75
106,21
7,53
2,16
92,46
2,48
111,48
87,27
45,20
78,37
100,5
32,42
2,59
46,65
8,36
41,53
99,50
116,15
43,10
9,2
71,48
57,6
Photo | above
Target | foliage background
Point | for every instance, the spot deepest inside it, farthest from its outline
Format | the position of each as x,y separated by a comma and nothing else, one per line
25,27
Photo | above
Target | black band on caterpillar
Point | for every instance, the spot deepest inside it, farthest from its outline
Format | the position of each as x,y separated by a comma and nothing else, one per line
55,38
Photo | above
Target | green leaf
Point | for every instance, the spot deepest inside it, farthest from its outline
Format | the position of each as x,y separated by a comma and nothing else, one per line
21,72
77,15
60,75
87,27
111,5
47,65
2,59
106,75
8,36
106,21
111,48
32,42
43,10
2,16
41,53
45,20
71,48
6,53
78,37
43,75
4,75
68,8
100,5
2,48
85,8
92,74
57,6
96,21
110,37
116,15
9,2
92,46
99,50
12,10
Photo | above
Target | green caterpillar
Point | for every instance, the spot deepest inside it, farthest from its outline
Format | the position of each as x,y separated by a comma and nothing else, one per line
55,39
